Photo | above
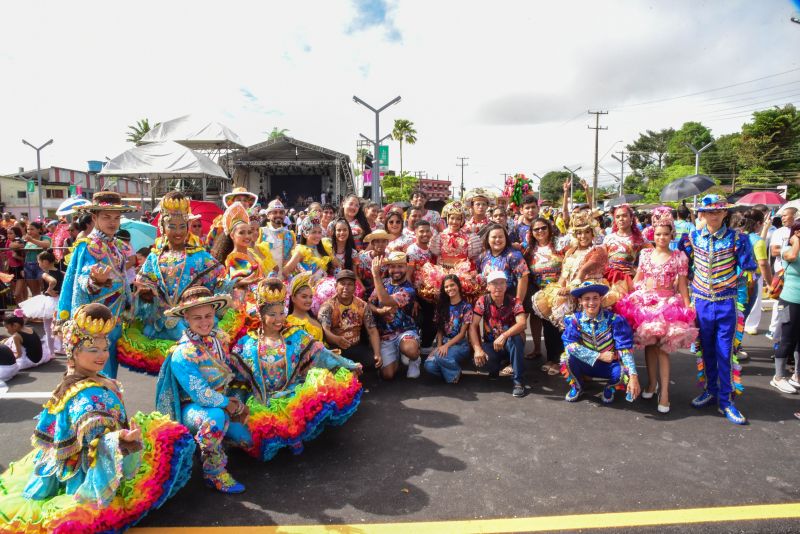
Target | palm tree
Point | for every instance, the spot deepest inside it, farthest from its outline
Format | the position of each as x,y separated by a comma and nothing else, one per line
404,132
276,133
138,130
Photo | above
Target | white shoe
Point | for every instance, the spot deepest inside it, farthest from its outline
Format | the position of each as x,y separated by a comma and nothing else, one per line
404,359
770,335
794,382
663,409
751,331
743,356
413,369
782,385
648,395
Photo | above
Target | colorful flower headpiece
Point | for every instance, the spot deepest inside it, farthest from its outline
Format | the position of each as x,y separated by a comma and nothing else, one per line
310,222
712,203
84,327
235,214
265,294
516,189
662,216
299,282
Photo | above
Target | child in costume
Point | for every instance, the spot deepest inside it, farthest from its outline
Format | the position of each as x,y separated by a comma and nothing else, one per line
314,255
456,250
598,343
197,386
299,387
177,262
93,469
96,271
718,259
659,310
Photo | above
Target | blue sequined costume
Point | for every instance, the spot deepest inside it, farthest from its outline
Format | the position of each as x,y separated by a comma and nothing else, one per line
585,338
717,264
79,288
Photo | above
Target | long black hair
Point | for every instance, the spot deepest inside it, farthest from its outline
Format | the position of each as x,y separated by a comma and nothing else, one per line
443,306
361,217
533,244
223,245
349,244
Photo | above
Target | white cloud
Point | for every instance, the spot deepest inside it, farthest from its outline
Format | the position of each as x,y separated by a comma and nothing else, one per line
496,82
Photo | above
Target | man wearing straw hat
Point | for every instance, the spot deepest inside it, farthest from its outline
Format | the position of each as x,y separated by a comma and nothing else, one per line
96,272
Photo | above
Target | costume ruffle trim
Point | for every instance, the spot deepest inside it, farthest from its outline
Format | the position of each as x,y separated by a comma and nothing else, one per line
166,465
322,399
142,354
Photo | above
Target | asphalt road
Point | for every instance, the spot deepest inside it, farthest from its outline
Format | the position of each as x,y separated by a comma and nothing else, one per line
420,450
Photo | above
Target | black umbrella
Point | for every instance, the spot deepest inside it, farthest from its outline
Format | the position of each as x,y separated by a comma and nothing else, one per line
624,199
686,187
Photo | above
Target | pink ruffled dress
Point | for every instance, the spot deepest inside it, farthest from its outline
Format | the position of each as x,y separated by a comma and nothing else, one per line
655,310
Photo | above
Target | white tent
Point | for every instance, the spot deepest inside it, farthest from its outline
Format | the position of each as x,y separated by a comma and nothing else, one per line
195,133
163,159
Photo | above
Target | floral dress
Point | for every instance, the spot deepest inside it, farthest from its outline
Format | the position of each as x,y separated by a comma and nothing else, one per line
456,253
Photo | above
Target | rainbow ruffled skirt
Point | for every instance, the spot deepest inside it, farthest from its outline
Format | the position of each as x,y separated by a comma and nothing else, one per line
166,465
323,399
142,354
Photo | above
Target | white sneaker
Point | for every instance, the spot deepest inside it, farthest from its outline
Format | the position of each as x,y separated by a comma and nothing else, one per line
404,359
742,355
782,385
770,335
751,331
413,369
794,382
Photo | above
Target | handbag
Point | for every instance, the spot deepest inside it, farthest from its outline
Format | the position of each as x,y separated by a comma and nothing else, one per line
775,288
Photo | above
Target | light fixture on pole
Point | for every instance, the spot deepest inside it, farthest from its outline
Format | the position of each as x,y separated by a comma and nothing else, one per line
39,173
697,161
376,178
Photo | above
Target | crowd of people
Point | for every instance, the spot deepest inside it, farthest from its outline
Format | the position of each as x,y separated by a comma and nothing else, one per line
258,330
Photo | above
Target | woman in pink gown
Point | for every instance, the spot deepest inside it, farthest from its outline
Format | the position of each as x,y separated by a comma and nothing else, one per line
659,310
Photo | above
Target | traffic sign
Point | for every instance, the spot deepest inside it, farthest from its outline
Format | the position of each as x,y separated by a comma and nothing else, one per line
72,190
31,186
383,155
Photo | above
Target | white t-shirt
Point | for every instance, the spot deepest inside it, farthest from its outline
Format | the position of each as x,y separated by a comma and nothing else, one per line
779,237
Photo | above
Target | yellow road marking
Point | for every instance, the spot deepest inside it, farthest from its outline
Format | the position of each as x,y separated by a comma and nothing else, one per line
522,524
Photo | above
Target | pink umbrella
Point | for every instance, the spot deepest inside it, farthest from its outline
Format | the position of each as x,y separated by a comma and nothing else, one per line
768,198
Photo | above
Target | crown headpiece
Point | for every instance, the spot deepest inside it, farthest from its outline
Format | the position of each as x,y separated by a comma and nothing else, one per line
83,327
235,213
270,291
181,205
299,282
310,222
455,207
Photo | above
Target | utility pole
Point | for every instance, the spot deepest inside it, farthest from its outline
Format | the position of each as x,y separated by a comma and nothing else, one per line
538,187
697,161
596,129
376,177
571,182
39,174
462,165
622,159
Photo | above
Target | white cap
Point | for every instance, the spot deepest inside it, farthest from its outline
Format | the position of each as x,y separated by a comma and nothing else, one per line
496,275
263,212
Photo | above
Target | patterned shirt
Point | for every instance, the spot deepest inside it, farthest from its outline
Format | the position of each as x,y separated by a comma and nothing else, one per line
346,320
510,261
433,217
401,319
546,265
497,320
460,314
586,338
417,257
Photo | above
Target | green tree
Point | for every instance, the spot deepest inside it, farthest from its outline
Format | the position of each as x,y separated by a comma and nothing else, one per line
551,186
772,140
693,133
138,130
723,163
404,132
277,133
399,187
759,176
650,147
659,180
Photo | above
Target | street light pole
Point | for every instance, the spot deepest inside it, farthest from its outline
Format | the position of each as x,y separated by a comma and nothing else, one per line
39,173
376,177
538,187
697,161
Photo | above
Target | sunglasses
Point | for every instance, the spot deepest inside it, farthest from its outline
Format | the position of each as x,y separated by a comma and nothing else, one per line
395,222
539,229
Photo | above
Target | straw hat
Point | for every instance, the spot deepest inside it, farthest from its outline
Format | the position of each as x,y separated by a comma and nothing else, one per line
196,296
227,198
105,201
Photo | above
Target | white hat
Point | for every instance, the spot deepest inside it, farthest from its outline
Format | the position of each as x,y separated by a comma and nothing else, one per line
263,212
496,275
275,205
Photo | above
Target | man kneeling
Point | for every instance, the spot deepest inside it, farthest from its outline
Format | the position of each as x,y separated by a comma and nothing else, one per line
597,343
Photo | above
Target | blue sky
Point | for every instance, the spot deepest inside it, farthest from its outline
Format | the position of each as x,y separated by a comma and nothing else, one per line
506,83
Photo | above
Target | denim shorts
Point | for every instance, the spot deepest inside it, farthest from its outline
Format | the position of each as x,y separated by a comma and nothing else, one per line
390,348
32,271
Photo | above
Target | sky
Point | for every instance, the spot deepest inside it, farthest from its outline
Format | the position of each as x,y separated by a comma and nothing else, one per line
506,83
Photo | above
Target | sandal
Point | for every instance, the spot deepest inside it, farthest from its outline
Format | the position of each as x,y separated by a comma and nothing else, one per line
507,371
554,370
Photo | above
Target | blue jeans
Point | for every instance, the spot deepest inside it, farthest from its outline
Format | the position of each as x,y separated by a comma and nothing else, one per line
514,350
610,371
449,367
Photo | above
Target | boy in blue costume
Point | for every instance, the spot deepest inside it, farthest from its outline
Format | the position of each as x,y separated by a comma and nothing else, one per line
597,343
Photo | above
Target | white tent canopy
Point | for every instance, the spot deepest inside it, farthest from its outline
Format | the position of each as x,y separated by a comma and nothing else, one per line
195,133
163,159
